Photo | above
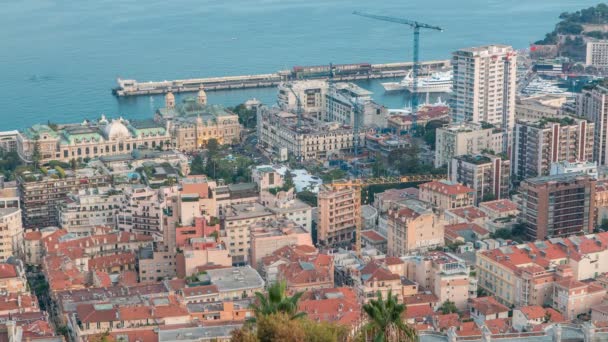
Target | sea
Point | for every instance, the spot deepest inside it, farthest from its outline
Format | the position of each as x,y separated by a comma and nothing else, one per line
59,59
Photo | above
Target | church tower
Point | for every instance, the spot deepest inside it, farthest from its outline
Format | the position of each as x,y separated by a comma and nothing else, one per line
202,96
169,100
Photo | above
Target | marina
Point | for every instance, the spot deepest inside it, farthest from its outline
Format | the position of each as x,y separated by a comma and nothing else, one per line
338,72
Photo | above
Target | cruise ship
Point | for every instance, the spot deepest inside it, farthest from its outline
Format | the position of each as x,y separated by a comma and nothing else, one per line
439,82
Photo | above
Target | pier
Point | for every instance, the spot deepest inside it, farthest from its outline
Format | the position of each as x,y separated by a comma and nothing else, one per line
341,72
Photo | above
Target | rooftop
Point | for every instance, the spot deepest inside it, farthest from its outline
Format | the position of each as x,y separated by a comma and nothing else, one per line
235,278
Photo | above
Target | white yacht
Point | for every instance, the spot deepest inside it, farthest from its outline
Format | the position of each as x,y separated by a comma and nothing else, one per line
439,82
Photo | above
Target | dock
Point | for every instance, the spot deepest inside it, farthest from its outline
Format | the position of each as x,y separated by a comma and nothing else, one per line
341,72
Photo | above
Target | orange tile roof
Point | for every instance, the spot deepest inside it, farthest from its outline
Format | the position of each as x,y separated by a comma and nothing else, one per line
372,235
418,311
420,298
342,307
445,188
7,271
499,325
109,261
393,261
458,227
468,213
487,306
500,206
468,329
443,322
32,235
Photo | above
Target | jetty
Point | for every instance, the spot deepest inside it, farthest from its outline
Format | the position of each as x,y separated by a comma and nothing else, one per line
339,72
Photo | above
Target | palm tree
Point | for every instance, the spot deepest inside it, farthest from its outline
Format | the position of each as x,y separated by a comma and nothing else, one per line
386,320
276,301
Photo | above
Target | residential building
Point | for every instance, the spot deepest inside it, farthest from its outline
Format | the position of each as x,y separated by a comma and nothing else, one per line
591,104
443,274
32,243
193,123
309,93
204,252
447,195
266,177
344,100
586,167
271,235
90,207
339,210
487,174
377,277
335,305
40,194
12,278
11,233
236,225
465,233
465,215
484,86
195,199
373,239
573,298
301,267
527,274
527,317
487,308
558,206
236,282
90,139
286,205
597,53
537,107
278,133
383,201
142,212
500,214
8,141
403,123
538,144
413,228
458,139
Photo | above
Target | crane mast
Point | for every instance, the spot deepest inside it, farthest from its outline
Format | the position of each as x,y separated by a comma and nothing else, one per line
416,67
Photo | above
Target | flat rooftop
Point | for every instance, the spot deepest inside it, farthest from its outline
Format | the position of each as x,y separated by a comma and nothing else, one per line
246,210
206,333
235,278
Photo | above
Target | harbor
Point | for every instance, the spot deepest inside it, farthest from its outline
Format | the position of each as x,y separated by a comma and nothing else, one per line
338,72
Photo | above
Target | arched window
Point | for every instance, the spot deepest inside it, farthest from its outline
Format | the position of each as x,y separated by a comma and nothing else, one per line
153,143
95,150
79,151
87,151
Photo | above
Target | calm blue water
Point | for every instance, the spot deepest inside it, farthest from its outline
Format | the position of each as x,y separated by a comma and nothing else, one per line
59,59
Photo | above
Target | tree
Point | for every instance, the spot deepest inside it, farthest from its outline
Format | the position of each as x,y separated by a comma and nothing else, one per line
488,196
308,197
277,301
502,233
213,146
198,166
448,307
36,155
279,327
386,320
547,317
288,181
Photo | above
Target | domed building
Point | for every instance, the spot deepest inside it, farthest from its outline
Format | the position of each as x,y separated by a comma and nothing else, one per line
193,123
92,139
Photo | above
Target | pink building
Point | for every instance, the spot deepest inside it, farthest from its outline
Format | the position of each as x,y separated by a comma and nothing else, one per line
271,235
200,228
572,297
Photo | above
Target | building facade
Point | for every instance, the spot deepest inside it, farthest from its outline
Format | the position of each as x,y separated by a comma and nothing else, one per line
90,139
592,104
311,94
484,86
487,174
597,54
447,195
192,123
339,210
413,228
465,138
536,145
558,206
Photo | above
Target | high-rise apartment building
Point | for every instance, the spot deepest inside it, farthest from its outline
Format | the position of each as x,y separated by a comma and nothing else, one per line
537,144
339,210
557,206
597,54
487,174
484,86
592,104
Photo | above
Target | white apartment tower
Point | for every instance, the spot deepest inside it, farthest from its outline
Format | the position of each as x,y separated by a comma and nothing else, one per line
485,86
593,104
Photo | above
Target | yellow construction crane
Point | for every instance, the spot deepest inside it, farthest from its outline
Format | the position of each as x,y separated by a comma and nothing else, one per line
360,183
